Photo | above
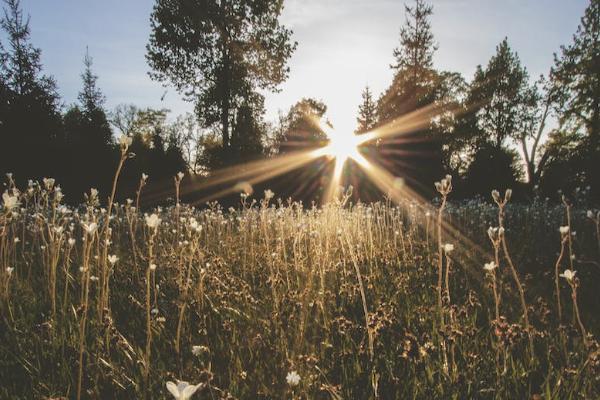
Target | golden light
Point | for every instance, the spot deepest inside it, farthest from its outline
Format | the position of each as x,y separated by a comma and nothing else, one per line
342,147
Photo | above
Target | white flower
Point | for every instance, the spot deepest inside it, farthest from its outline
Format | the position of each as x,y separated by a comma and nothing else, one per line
10,202
590,214
112,259
144,177
48,182
198,350
16,239
91,228
564,230
269,194
490,266
496,195
568,275
180,175
152,267
71,241
448,248
152,221
292,378
125,141
9,270
58,229
182,390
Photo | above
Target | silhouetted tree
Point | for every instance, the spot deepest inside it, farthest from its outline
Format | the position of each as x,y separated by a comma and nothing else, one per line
576,76
414,154
367,112
303,126
30,125
492,168
219,54
501,108
89,146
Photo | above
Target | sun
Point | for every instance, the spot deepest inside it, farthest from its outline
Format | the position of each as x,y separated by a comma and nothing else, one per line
342,147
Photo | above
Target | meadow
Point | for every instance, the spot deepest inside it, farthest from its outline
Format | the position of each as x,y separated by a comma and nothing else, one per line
276,299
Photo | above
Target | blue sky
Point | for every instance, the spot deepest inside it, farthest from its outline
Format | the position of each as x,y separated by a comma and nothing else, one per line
342,45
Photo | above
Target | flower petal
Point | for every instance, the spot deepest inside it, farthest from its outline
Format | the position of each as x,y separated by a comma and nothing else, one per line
173,389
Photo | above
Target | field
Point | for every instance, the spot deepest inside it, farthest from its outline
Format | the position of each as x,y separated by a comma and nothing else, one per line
277,299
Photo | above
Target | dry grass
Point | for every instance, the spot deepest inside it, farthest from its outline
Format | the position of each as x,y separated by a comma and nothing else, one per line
349,297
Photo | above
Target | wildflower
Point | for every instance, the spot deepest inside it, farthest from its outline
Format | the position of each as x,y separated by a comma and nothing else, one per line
490,266
144,177
152,267
9,270
152,221
564,230
198,350
496,195
94,278
182,390
10,202
16,240
58,229
112,259
48,183
269,194
448,248
125,141
71,241
91,228
180,175
590,214
292,378
568,275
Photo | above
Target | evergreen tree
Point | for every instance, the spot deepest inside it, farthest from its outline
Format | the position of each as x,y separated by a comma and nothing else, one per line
89,138
30,125
414,155
367,112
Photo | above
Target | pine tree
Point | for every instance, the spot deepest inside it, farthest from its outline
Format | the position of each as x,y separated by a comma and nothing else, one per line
367,112
30,125
90,97
89,137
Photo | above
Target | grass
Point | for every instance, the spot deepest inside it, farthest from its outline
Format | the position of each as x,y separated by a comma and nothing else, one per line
360,301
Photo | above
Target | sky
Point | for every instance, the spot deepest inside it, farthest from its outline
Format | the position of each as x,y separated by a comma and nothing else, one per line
343,45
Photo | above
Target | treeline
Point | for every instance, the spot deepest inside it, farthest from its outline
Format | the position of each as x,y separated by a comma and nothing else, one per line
500,129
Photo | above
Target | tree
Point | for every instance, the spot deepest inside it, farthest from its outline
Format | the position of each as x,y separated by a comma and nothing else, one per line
415,155
89,137
219,54
30,127
500,97
367,112
302,126
577,74
415,53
